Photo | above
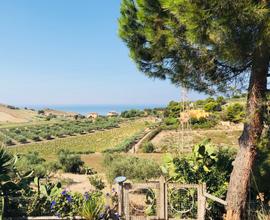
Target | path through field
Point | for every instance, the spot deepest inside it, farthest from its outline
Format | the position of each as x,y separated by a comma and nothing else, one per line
136,147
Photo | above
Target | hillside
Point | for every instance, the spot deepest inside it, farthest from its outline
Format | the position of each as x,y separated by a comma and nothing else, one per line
10,114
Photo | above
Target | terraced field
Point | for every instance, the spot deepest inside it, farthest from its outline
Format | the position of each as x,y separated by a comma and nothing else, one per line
41,132
96,142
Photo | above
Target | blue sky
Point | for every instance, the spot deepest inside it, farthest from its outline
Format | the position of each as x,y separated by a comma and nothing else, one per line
68,52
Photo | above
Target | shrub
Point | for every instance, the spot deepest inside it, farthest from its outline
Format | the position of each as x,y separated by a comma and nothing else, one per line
22,139
148,147
70,162
171,121
33,162
41,112
97,182
8,142
35,137
66,204
221,100
234,113
132,113
202,123
133,168
212,106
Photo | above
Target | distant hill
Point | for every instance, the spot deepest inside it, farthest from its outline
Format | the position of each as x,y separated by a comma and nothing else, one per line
13,114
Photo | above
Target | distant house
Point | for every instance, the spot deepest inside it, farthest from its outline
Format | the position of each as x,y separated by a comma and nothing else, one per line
92,115
112,114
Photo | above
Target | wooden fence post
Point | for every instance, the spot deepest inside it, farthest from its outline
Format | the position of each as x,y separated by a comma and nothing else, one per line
120,198
201,202
163,199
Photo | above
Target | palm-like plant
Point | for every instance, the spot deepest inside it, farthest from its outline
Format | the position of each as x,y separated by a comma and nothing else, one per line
7,162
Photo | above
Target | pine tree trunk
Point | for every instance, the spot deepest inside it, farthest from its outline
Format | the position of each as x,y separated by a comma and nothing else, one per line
239,180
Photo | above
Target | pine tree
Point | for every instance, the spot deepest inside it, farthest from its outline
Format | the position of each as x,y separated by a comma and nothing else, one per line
207,46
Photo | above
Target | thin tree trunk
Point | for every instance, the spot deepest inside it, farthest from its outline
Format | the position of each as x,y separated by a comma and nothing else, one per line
253,126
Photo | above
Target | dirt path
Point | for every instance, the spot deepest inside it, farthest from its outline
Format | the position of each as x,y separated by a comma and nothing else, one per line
136,147
79,182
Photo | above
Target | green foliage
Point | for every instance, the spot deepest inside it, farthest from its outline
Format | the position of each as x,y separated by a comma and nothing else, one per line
173,110
234,113
132,113
92,207
12,184
33,162
8,142
202,123
171,121
165,42
261,170
7,162
69,162
66,204
41,112
212,106
132,167
97,182
207,164
148,147
36,133
126,145
40,201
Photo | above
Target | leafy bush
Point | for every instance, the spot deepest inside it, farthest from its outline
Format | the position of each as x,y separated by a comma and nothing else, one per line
171,121
132,167
97,182
70,162
148,147
207,122
234,113
66,204
8,142
132,113
212,106
22,139
40,112
33,162
173,110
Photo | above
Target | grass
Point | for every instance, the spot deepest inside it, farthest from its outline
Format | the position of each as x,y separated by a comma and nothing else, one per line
173,139
97,142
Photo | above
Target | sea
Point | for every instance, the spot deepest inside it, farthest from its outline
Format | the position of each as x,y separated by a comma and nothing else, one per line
100,109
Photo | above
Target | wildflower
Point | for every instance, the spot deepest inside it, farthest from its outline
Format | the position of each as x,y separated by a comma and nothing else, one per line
69,199
64,192
86,195
53,203
113,189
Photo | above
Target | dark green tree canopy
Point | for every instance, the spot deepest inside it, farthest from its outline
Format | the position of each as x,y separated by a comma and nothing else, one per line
201,45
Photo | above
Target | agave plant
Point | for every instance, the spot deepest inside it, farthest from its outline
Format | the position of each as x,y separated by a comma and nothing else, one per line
11,181
92,208
6,166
